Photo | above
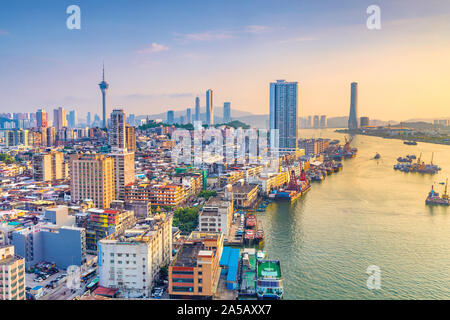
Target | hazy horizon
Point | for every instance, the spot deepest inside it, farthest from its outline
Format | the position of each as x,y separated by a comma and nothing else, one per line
160,56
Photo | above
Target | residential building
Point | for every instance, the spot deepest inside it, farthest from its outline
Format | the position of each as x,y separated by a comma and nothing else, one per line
49,166
92,176
123,171
157,194
102,223
284,115
12,275
116,132
245,195
216,215
130,138
131,262
195,270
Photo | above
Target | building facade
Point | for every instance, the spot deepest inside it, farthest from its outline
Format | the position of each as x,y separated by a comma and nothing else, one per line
195,270
284,115
131,262
12,275
92,176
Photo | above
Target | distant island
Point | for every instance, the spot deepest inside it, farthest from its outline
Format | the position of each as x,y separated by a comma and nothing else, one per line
414,131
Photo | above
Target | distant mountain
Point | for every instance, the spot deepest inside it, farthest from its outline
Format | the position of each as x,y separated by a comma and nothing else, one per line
218,114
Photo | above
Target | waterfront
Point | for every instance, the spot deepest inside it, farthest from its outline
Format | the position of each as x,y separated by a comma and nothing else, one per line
367,214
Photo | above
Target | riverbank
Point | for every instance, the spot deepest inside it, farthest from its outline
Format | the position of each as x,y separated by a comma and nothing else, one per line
444,140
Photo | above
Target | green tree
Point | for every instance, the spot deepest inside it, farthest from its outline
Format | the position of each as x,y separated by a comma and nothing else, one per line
186,219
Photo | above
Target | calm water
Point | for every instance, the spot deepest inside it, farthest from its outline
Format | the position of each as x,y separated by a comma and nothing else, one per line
367,214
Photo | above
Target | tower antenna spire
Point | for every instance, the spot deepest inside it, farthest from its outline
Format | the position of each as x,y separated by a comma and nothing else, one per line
103,70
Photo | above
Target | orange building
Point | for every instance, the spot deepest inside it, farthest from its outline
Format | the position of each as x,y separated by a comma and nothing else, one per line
157,194
195,270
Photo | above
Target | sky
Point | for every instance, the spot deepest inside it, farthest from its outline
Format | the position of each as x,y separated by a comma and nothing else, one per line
159,55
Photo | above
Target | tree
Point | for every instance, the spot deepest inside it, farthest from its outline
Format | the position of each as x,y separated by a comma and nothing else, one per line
186,219
6,158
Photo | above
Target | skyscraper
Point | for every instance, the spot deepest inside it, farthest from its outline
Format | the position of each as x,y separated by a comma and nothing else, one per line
88,119
104,87
197,109
59,118
72,119
41,118
284,114
209,107
170,117
316,121
116,132
323,121
188,116
353,117
226,112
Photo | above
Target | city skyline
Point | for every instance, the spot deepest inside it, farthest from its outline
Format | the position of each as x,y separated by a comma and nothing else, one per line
325,51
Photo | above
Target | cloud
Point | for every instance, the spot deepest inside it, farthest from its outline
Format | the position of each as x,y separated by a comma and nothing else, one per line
155,47
300,39
215,35
3,32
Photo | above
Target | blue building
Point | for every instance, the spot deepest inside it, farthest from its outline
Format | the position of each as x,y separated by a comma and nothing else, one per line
229,261
54,240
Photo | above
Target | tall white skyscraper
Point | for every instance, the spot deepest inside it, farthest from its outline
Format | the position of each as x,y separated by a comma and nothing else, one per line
209,107
353,117
284,115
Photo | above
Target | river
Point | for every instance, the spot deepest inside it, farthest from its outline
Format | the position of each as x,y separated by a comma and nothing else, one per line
367,214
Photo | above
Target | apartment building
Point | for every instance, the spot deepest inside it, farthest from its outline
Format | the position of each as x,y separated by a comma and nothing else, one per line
49,166
131,262
12,275
195,270
216,216
123,171
245,195
157,194
92,176
102,223
130,136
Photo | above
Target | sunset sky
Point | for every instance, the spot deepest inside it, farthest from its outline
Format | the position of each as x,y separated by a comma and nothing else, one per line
160,54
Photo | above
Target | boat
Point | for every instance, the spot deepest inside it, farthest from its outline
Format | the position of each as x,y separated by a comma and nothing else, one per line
259,236
260,255
295,189
249,235
434,198
250,221
269,284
